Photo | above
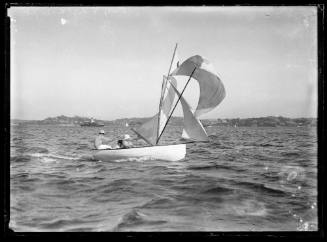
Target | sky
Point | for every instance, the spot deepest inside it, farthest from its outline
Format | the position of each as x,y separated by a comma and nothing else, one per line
108,62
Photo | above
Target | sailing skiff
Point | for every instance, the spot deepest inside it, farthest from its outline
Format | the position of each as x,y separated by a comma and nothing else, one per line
212,92
156,152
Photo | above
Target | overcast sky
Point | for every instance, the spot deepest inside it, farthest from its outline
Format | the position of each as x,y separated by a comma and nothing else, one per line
108,62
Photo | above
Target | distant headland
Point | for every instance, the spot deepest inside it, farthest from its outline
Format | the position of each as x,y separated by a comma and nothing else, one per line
270,121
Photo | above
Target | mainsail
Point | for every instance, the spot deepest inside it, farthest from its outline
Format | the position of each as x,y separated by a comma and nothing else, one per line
212,90
167,103
148,130
165,107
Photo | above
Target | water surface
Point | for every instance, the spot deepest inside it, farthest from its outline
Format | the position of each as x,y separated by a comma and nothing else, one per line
245,179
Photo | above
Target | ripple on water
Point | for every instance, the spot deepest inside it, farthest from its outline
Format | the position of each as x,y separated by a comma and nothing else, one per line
58,224
159,203
218,190
248,207
37,150
263,188
21,158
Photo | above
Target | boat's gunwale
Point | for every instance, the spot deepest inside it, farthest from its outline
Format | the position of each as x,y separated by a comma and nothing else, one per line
140,147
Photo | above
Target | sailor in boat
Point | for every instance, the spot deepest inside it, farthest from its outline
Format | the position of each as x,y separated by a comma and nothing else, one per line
125,143
100,139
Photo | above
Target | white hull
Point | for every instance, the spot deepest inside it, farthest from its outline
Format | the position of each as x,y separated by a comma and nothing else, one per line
159,152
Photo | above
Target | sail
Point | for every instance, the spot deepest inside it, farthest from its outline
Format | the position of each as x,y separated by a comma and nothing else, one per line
212,90
148,130
167,102
193,129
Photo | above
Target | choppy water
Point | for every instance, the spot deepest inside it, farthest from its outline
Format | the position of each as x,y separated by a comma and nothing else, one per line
245,179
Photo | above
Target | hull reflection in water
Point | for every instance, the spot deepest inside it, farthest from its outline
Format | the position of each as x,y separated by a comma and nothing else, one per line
159,152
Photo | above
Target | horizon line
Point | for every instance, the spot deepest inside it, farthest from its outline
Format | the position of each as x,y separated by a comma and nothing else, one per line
151,116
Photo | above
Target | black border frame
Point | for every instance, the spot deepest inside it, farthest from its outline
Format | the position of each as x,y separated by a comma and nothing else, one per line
321,129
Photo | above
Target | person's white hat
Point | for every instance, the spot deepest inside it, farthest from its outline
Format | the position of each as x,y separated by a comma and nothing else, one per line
101,131
126,136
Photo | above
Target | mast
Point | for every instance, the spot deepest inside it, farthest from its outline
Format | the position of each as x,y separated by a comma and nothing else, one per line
175,104
163,89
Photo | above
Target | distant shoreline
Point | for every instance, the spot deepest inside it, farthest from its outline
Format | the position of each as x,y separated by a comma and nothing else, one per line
269,121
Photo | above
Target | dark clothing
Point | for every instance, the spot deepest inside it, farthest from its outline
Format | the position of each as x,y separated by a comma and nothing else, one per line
123,144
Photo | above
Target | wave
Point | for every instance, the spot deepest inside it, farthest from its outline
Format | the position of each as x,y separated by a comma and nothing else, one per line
158,203
218,190
261,157
21,158
17,139
207,167
306,163
83,146
248,207
82,158
80,229
130,219
20,175
119,186
136,218
64,157
216,167
262,188
205,151
26,188
59,223
17,208
270,176
48,159
210,167
291,154
269,145
51,175
66,181
37,150
53,157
